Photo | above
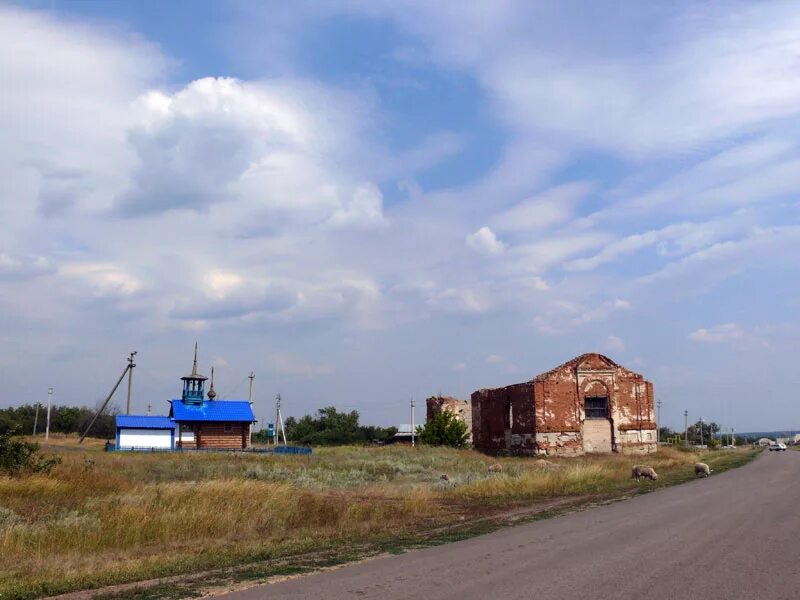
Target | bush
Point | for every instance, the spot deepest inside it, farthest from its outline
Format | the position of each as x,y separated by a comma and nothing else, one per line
17,456
444,429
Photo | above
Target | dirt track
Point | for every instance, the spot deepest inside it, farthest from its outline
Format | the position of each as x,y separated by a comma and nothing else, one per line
734,535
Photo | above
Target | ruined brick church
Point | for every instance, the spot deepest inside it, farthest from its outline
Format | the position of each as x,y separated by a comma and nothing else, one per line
589,404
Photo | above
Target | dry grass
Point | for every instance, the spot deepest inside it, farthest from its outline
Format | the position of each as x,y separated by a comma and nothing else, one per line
109,517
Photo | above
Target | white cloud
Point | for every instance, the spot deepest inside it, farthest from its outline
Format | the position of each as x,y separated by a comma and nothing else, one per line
293,365
271,145
615,344
460,300
719,333
484,241
16,267
104,279
543,211
494,359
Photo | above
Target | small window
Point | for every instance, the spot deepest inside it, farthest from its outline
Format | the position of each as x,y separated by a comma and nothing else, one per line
596,407
228,427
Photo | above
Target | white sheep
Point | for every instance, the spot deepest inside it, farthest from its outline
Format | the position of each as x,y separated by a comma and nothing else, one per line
702,469
643,471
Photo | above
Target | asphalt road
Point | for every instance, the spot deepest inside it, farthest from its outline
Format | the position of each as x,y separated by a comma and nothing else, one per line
733,535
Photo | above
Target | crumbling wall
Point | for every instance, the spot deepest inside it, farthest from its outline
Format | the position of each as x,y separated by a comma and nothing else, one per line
547,415
558,425
460,408
503,420
488,431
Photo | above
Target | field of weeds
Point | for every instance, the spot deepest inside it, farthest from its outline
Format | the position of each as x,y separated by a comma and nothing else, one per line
102,518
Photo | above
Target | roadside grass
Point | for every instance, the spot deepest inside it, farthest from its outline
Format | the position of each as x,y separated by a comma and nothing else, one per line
103,518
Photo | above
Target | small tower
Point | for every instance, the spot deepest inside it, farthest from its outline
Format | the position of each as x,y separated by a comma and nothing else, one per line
211,392
194,384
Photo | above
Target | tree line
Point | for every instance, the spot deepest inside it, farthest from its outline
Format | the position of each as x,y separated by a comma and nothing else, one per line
63,419
329,427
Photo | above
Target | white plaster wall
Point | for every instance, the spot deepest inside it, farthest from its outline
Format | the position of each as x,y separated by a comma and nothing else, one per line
145,438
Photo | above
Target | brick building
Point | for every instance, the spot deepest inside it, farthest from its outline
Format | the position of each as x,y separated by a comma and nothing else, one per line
588,404
460,408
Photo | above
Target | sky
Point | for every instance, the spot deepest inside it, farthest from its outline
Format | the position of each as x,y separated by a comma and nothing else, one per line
368,201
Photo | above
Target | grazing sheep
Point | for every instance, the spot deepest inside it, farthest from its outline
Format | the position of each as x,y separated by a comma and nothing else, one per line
496,468
702,469
444,477
544,463
643,471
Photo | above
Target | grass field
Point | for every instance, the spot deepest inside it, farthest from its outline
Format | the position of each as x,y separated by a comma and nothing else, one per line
101,518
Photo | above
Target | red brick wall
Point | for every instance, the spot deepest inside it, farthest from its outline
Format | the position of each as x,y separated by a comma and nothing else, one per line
551,408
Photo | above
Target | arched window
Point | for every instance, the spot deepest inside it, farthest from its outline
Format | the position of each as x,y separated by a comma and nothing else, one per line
596,407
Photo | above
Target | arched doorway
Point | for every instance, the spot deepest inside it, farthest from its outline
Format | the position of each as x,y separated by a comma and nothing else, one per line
597,429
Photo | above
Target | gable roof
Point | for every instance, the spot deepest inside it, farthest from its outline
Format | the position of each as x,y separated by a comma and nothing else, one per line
577,362
213,411
144,422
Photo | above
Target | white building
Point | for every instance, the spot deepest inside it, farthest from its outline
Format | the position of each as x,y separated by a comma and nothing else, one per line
145,432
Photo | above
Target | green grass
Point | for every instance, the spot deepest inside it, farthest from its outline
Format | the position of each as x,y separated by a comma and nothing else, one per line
106,518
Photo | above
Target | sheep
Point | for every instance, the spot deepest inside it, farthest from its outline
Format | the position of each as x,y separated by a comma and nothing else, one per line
496,468
444,477
643,471
702,469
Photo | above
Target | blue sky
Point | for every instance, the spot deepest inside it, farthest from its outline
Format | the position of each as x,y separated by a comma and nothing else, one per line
367,201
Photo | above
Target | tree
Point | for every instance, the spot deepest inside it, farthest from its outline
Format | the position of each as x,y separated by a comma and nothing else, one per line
708,429
444,429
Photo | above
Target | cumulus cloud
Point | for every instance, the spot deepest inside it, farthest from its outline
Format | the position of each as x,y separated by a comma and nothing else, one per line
484,241
221,140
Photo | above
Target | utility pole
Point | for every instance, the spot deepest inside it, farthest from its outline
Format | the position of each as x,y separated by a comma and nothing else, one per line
733,437
49,402
127,368
36,419
685,427
658,424
131,364
279,422
701,431
277,417
251,377
413,432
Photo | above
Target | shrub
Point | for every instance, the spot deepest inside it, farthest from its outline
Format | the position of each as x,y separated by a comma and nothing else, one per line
17,456
444,429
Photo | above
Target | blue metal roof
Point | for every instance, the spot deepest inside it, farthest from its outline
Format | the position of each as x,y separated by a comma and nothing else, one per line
213,410
145,422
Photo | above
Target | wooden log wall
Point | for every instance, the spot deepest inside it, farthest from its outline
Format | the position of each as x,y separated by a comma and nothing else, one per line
214,435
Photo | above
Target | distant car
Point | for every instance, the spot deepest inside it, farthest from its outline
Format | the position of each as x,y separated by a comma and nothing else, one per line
776,447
